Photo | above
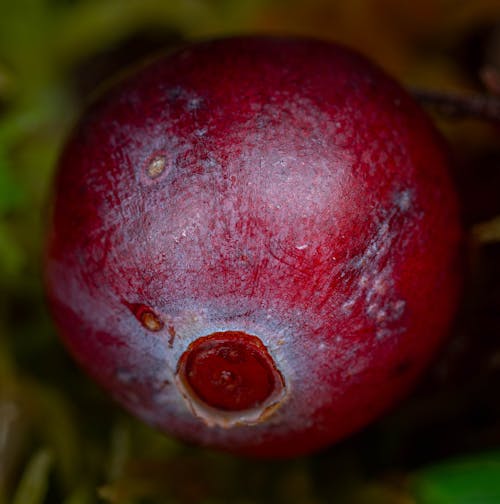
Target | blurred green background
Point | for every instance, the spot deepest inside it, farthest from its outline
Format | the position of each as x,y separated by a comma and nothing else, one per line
62,441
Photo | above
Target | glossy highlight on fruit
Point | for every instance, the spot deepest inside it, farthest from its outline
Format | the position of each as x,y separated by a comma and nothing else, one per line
255,244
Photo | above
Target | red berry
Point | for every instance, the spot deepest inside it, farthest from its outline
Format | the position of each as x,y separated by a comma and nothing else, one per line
255,244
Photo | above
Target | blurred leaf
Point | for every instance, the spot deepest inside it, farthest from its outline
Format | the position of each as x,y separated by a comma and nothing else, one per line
120,448
26,36
35,480
92,24
474,480
488,232
12,256
10,192
82,495
378,493
12,434
59,431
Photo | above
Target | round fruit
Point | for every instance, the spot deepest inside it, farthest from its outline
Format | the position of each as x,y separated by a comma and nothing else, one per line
254,244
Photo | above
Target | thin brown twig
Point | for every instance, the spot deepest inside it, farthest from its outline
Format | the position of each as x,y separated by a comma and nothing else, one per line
460,106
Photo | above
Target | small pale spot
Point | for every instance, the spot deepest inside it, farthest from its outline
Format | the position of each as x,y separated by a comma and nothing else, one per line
348,306
403,200
363,281
371,310
194,103
151,321
399,308
175,93
201,132
382,333
146,316
380,285
156,167
124,376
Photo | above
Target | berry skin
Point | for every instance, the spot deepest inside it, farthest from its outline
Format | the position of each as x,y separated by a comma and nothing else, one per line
255,244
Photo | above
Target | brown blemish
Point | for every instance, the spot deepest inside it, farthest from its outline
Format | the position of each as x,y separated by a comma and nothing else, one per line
156,167
172,333
146,316
151,321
